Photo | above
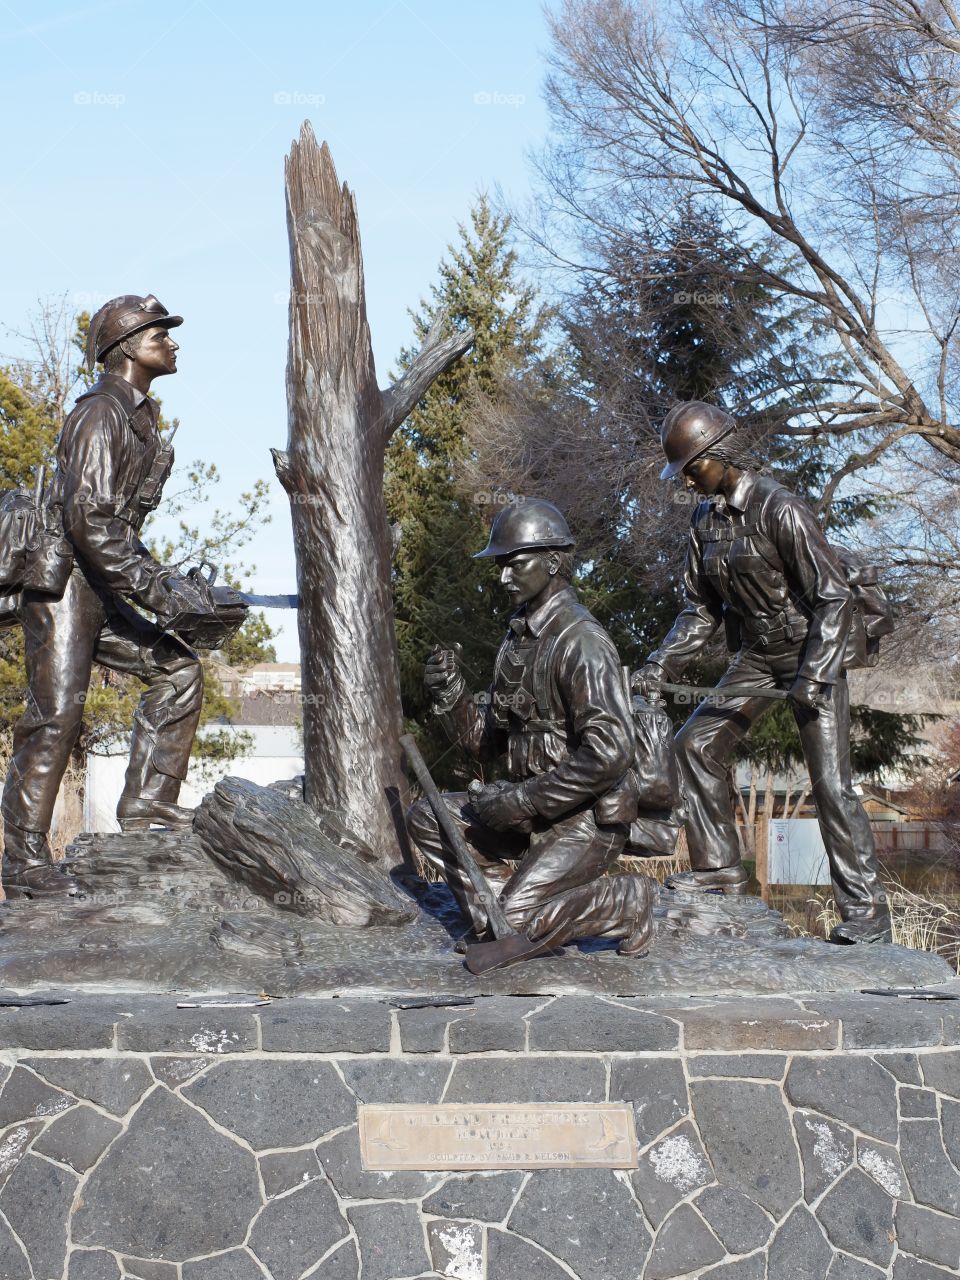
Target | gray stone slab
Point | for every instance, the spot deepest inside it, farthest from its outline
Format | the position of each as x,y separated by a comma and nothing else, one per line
826,1150
385,1080
272,1103
950,1120
486,1197
340,1158
799,1250
493,1024
601,1026
14,1143
93,1265
424,1030
742,1025
284,1170
917,1104
352,1025
857,1216
589,1221
391,1240
750,1066
657,1089
907,1268
154,1024
737,1221
932,1177
147,1269
171,1185
78,1138
941,1071
87,1023
174,1072
36,1203
15,1264
669,1171
881,1162
851,1088
456,1248
683,1244
235,1265
754,1268
25,1097
112,1083
293,1233
844,1267
934,1237
904,1066
755,1151
509,1258
881,1022
343,1264
527,1079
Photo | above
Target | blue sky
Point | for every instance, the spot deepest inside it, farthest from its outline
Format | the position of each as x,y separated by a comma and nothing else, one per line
143,152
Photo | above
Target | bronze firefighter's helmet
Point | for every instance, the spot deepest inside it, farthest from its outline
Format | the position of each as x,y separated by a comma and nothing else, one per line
689,430
527,524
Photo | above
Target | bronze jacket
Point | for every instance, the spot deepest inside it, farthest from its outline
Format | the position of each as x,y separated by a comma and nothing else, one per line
107,458
759,562
557,705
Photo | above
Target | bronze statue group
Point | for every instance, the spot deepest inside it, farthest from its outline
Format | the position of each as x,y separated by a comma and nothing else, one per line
758,566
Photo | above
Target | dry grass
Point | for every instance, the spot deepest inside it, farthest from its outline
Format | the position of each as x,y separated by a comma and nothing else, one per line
920,922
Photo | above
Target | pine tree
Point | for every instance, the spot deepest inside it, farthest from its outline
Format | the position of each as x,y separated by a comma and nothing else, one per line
442,595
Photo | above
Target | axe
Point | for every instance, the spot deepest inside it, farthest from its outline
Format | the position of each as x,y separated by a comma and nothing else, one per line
509,944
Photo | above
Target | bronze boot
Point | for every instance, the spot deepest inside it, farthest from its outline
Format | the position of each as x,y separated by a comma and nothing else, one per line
28,869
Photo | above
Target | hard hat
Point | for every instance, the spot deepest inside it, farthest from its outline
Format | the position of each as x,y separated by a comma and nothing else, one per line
526,524
689,430
120,317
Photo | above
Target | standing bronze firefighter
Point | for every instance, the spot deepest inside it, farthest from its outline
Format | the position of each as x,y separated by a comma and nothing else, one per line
111,467
558,708
758,563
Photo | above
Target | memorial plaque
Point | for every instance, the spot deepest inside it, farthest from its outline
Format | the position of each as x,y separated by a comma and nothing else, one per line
510,1135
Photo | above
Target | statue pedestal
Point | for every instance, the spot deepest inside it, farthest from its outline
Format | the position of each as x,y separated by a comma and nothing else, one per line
807,1135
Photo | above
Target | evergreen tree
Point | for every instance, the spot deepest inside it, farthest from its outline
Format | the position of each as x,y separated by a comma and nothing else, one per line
442,595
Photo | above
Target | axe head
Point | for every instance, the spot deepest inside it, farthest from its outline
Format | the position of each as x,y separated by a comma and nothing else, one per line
481,957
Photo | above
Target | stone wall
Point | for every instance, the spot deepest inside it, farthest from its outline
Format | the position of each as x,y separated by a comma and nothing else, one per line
786,1139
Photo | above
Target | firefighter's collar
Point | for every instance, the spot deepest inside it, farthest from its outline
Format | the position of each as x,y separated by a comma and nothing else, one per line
741,492
125,391
536,621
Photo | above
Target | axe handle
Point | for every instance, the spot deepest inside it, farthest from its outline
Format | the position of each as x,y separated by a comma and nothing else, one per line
726,691
499,924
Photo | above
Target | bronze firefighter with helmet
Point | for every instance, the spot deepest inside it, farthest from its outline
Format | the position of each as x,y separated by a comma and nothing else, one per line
111,467
558,708
758,564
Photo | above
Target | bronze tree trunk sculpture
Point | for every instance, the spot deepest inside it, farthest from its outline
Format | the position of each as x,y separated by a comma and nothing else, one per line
340,422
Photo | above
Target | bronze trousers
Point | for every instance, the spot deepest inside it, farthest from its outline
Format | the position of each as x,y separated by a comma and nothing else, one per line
551,882
63,638
705,748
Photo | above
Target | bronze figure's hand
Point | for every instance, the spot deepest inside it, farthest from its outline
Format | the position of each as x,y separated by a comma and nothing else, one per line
502,806
648,679
442,676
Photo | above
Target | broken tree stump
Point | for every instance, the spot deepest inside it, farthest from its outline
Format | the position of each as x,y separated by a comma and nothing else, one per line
340,423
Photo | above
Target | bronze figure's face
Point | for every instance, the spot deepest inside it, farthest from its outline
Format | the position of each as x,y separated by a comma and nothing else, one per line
525,575
705,474
156,351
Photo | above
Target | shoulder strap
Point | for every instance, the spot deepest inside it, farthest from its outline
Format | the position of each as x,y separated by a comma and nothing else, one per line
544,667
